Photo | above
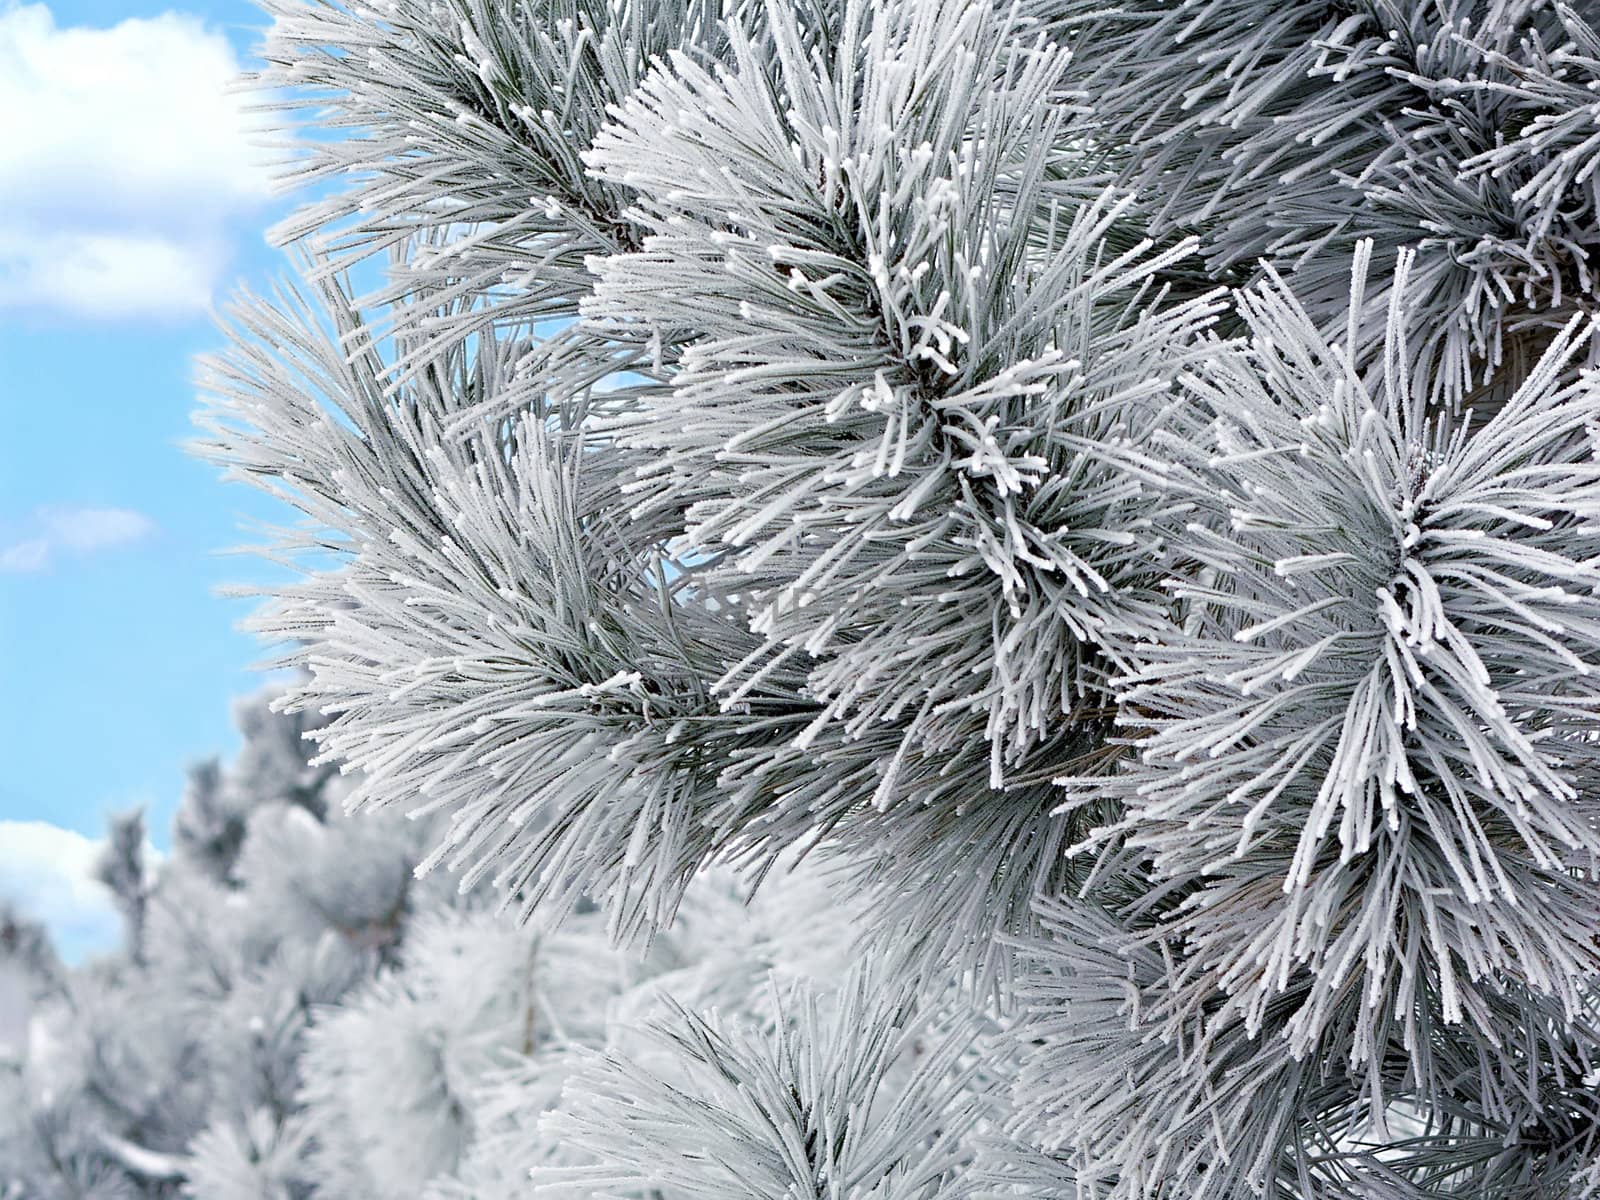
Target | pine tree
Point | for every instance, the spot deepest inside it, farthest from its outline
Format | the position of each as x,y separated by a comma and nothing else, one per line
193,1029
303,1019
29,970
445,1079
1114,485
121,868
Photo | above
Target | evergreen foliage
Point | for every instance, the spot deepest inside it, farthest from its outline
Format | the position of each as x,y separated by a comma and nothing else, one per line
312,1022
187,1040
1115,486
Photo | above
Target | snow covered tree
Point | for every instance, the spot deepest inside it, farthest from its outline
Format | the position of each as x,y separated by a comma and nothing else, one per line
195,1026
1114,485
121,868
303,1019
29,970
436,1080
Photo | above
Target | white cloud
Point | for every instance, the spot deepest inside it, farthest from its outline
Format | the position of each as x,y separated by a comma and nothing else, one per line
48,872
129,157
107,274
76,530
30,554
88,529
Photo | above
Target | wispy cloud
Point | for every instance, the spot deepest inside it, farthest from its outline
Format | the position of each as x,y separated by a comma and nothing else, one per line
58,530
107,275
32,554
116,187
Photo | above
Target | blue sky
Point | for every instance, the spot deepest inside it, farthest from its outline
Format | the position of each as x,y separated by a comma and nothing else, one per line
131,202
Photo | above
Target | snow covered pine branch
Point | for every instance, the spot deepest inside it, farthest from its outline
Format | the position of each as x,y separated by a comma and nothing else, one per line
1113,489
